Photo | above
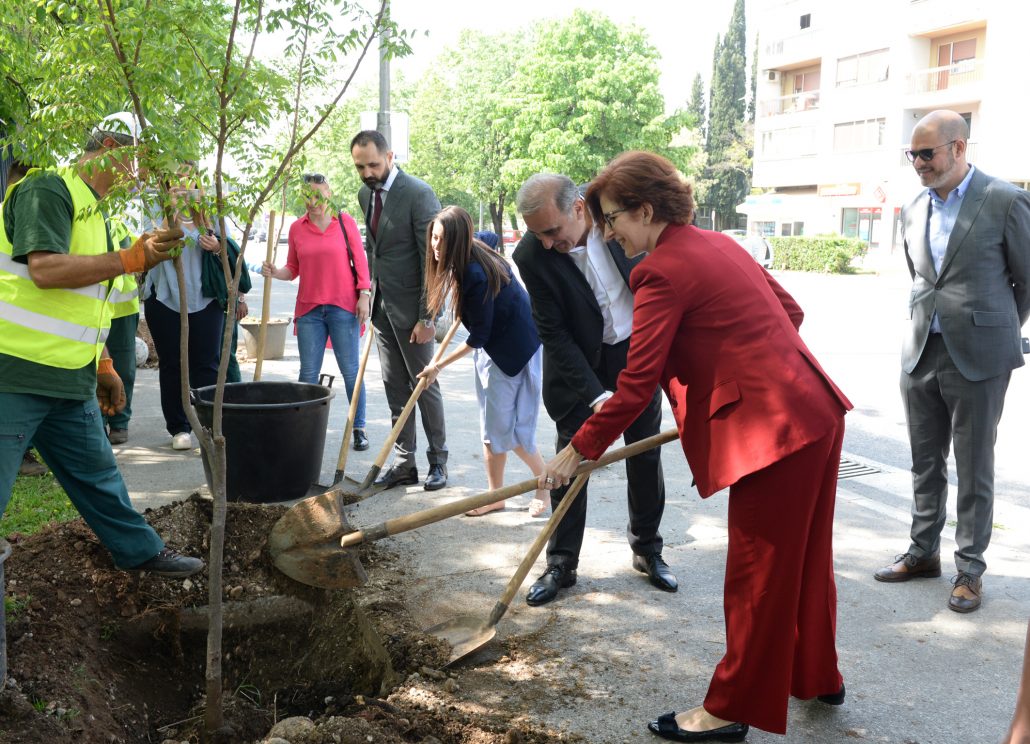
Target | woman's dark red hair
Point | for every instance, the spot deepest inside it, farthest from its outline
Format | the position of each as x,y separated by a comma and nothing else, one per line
635,178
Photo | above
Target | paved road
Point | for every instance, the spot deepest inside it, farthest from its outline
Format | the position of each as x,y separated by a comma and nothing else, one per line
620,651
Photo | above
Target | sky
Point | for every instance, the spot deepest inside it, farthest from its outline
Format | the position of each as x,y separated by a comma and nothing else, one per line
683,31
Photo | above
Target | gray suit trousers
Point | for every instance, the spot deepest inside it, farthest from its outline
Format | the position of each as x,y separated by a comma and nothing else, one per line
401,361
942,406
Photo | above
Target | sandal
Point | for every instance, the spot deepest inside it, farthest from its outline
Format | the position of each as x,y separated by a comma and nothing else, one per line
538,507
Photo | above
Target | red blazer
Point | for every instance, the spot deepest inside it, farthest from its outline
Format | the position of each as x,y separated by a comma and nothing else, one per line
720,336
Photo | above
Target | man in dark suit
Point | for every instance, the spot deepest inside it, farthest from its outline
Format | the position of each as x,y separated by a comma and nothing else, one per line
967,243
583,308
397,209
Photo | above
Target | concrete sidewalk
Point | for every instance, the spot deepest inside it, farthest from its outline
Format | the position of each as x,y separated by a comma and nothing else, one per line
613,652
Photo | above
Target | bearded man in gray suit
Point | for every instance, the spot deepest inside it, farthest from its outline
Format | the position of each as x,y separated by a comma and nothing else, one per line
967,243
398,208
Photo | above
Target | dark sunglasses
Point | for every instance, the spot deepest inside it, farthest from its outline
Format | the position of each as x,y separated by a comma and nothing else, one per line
926,154
313,178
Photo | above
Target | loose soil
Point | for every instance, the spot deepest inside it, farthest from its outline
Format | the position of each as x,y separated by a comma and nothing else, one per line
97,655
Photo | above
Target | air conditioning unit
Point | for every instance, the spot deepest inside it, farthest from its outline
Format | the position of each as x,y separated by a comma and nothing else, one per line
773,75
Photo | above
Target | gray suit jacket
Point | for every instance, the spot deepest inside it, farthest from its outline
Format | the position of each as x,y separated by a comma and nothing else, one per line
397,254
982,294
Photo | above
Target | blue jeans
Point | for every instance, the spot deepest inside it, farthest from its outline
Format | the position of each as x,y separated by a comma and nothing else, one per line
69,434
313,328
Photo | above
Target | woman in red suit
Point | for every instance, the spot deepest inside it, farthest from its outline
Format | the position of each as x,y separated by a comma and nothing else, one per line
756,413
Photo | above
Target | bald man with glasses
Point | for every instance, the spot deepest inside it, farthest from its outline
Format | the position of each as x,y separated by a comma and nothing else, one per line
967,244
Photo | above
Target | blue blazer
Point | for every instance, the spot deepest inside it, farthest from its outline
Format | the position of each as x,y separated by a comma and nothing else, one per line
503,325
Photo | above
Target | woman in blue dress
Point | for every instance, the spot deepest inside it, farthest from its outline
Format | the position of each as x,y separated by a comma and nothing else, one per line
495,309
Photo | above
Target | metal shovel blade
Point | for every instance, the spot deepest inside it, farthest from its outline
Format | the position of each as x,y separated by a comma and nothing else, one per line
466,635
305,544
322,566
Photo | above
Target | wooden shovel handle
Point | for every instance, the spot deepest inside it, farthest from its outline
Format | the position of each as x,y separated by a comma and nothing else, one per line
438,513
266,299
536,547
341,462
406,411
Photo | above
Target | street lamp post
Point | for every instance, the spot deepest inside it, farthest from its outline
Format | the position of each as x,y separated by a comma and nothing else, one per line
383,117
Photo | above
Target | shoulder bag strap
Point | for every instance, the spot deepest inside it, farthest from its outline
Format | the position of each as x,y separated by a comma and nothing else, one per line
350,252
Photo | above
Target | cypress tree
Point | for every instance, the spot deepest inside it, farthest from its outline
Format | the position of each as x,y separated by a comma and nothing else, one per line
698,105
730,178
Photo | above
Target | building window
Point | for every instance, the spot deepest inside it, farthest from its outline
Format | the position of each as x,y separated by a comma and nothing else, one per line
766,229
863,223
806,20
788,142
955,53
854,136
860,69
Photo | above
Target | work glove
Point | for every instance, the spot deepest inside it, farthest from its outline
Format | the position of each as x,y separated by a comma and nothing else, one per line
110,390
150,249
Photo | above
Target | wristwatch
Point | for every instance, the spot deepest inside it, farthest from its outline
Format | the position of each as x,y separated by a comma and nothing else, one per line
366,292
427,323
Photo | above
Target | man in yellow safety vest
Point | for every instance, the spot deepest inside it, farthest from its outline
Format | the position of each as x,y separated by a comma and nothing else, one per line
59,270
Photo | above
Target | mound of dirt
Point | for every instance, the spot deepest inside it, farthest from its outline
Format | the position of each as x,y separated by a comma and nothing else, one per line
98,655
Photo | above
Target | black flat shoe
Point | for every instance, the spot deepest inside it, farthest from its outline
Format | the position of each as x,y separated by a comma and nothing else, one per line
667,728
436,479
360,441
834,698
545,589
657,571
397,475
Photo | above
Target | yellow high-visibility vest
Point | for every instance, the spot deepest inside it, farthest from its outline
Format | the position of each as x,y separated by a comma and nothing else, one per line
124,297
63,328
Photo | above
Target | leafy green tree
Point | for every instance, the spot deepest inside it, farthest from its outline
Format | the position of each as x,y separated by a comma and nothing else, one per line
585,91
461,121
327,152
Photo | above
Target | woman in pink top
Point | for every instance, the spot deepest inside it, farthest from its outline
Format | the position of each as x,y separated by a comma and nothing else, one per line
333,297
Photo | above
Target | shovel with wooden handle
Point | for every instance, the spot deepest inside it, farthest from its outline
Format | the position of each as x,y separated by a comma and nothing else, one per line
341,461
445,511
266,299
467,633
304,544
402,418
313,542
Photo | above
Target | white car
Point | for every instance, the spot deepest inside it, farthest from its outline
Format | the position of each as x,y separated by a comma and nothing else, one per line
759,248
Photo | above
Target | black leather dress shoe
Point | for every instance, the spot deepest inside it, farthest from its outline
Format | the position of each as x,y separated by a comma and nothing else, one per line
360,441
834,698
657,571
667,728
545,589
397,475
437,478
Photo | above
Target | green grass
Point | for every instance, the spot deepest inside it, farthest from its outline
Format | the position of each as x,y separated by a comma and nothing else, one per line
36,501
14,606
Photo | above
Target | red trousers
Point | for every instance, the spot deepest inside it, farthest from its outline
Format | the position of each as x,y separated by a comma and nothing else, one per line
780,599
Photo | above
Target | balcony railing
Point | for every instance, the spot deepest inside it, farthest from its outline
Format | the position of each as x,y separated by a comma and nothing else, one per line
806,101
970,155
949,76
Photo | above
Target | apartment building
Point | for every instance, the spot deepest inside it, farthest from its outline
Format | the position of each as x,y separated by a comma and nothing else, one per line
841,86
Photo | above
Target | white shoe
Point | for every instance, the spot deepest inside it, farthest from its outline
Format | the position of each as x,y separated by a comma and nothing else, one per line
182,441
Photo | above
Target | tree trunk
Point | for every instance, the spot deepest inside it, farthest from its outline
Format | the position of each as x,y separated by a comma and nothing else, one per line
497,218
